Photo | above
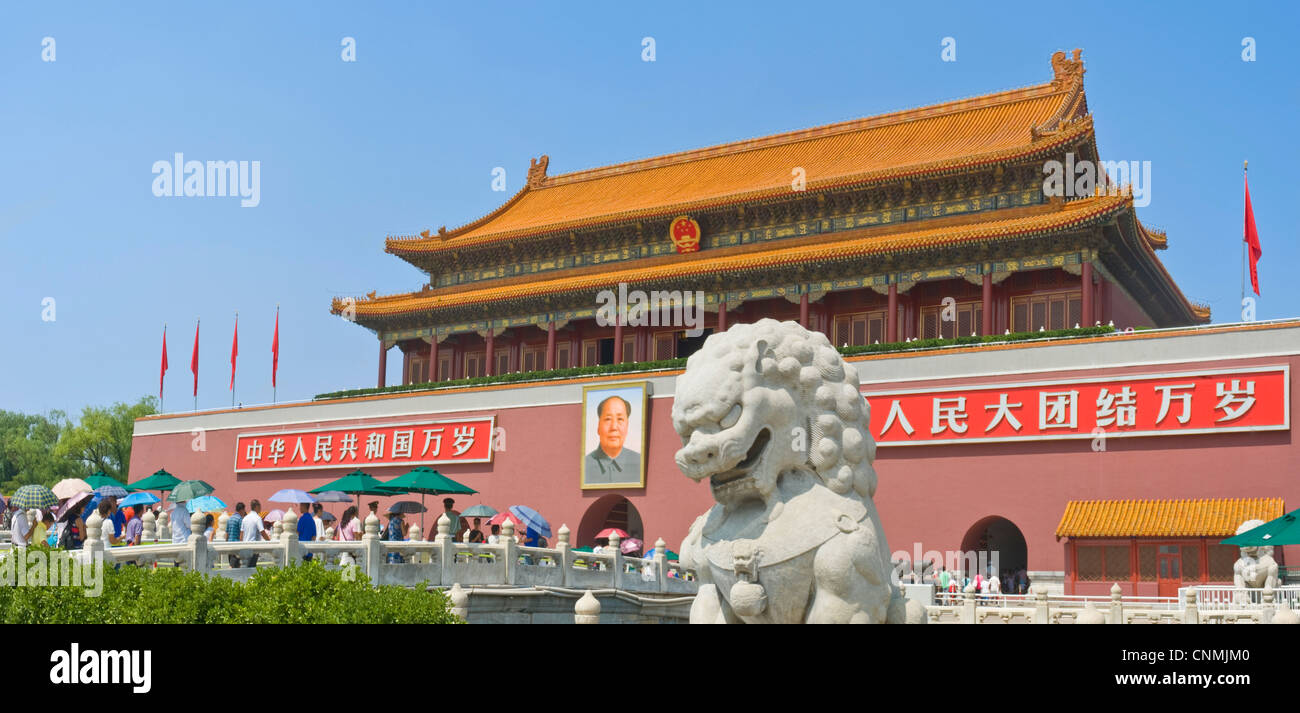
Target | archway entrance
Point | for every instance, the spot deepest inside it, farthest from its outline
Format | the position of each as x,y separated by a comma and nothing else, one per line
998,545
609,511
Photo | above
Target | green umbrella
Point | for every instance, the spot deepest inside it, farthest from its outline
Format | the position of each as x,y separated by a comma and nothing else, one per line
358,484
99,480
161,481
190,490
426,481
1284,530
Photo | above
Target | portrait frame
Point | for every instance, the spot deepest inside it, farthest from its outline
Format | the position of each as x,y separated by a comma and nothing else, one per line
636,394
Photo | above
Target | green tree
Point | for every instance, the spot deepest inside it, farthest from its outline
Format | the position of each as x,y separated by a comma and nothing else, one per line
28,450
101,439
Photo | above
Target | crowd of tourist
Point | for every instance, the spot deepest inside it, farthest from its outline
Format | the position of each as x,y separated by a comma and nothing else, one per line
949,585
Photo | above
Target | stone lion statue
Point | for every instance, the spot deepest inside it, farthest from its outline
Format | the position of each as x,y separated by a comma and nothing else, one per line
1256,568
770,415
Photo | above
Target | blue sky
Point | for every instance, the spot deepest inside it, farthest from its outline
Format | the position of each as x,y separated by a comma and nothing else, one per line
406,138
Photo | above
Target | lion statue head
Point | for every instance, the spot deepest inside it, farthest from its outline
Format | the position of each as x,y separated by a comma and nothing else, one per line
762,399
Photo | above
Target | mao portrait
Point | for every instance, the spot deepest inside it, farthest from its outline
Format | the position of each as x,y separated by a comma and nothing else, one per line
613,432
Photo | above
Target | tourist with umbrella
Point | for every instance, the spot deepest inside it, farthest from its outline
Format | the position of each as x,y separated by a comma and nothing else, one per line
427,481
357,484
68,487
32,496
306,523
161,480
477,512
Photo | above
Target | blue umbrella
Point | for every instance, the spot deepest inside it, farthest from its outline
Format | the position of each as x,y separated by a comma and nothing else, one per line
291,496
140,498
531,519
111,491
205,503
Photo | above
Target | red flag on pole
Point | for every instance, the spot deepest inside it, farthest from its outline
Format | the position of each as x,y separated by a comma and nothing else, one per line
194,360
234,352
163,371
1252,240
275,348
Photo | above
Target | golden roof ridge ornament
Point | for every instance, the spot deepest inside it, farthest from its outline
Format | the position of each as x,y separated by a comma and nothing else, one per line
1066,70
537,171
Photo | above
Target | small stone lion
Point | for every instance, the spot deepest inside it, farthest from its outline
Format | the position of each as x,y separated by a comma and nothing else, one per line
770,415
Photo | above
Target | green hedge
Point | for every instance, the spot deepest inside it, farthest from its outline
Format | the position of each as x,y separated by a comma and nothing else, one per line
647,366
303,594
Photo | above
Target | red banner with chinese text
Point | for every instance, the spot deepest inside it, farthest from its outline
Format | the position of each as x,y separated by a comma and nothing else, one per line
1220,401
419,443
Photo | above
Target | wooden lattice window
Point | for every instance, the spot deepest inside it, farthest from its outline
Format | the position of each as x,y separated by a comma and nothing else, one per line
968,319
1147,563
444,367
534,358
1057,310
1191,563
562,353
629,348
1222,557
665,346
419,371
502,358
1088,567
591,352
1117,563
474,363
859,329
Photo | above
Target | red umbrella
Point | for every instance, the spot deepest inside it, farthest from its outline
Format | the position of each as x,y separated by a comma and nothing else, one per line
501,517
611,531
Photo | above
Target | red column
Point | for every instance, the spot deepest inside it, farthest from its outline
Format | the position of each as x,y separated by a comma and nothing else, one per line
433,358
550,345
406,367
383,364
618,339
986,324
803,310
722,316
1086,279
489,358
891,314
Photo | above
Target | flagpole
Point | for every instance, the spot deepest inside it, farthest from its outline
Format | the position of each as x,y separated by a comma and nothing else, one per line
233,370
1244,166
196,370
162,402
277,355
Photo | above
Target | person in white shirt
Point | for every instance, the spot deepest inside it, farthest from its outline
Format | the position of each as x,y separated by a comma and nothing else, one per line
320,524
252,530
180,519
19,528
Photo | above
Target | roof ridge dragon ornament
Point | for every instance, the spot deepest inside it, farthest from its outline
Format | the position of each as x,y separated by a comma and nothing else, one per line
768,413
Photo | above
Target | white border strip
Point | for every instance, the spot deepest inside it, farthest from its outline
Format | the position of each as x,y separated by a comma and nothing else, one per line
491,433
1284,426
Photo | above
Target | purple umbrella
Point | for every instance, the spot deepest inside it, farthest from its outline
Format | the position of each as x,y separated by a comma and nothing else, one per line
291,496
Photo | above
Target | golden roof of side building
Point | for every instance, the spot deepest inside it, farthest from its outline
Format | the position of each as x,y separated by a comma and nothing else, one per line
1206,517
850,244
930,140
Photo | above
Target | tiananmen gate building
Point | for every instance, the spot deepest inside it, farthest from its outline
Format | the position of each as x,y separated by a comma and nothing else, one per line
1087,458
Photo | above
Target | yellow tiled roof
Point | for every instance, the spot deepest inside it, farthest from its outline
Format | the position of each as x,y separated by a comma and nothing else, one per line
854,244
949,136
1207,517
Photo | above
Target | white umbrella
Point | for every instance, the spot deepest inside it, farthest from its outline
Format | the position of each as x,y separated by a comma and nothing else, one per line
68,487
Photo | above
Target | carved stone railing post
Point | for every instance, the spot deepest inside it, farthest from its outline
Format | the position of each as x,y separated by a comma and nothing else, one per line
565,564
510,549
374,550
276,528
200,556
968,615
446,549
220,534
149,527
1116,604
459,601
289,538
1190,614
329,534
415,534
587,610
661,564
615,545
94,544
164,526
1286,615
1266,616
1042,614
